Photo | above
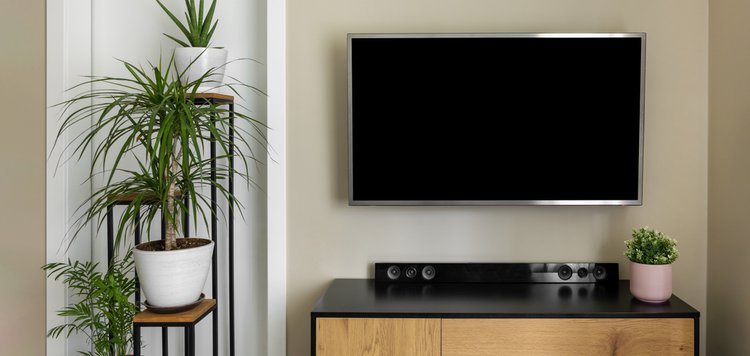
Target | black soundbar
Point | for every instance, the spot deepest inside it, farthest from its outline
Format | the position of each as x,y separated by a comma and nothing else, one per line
581,272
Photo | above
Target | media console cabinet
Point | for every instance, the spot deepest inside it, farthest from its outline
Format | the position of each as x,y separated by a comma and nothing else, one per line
357,317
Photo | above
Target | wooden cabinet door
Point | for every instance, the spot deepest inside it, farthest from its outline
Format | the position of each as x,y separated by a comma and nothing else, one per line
484,337
377,337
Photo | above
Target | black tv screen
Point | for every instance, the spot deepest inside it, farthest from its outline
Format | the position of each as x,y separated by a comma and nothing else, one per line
496,119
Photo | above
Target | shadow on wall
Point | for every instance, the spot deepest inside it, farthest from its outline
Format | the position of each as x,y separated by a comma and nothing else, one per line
338,85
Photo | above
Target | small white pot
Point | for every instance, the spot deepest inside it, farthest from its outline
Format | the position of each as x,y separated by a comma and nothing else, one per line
173,278
194,62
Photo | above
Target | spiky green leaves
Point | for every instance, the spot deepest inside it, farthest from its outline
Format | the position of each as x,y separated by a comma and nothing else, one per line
197,28
153,121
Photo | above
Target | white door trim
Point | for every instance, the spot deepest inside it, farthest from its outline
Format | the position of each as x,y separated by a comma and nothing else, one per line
276,52
68,60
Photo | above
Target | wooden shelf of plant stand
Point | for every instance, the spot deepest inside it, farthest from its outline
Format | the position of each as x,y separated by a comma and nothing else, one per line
186,319
214,99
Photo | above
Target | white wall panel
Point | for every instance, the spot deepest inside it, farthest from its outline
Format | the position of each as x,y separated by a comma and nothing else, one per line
132,31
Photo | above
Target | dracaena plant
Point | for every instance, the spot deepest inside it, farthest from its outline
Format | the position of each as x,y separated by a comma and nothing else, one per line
197,27
163,128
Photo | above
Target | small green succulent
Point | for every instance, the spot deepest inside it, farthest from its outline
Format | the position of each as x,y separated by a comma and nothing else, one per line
651,247
198,28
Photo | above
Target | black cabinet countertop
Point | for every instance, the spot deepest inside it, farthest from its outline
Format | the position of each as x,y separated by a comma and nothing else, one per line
367,298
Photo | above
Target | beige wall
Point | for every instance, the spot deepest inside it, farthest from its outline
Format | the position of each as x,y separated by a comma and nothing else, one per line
22,219
328,239
729,175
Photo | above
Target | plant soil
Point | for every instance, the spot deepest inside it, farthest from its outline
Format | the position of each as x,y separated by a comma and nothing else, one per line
182,244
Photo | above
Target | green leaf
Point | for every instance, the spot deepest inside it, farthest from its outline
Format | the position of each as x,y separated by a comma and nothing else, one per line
198,26
176,21
104,313
649,246
180,42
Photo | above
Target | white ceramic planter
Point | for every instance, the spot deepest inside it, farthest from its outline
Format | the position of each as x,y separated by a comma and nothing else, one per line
194,62
173,278
651,283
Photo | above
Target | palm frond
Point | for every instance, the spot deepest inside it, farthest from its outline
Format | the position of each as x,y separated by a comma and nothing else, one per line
104,313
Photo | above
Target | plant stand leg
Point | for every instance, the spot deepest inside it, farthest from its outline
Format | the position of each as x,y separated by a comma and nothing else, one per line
215,341
164,341
190,340
136,340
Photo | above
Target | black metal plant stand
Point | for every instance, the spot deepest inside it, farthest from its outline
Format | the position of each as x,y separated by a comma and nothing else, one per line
189,319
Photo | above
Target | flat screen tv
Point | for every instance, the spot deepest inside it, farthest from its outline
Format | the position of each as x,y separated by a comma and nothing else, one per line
496,118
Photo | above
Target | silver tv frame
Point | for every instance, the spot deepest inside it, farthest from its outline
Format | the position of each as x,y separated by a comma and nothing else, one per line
639,201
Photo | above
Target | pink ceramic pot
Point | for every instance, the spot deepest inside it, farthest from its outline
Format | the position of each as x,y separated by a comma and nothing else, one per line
651,283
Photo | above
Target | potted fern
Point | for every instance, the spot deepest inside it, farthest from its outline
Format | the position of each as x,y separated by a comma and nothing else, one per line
651,254
164,129
195,56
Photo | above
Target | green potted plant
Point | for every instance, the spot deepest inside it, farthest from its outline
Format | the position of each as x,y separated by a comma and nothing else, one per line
104,313
651,254
153,119
195,56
